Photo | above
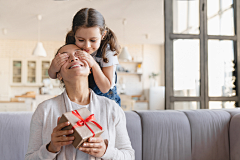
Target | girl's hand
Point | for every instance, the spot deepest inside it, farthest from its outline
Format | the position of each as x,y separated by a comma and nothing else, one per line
82,55
57,62
60,137
95,147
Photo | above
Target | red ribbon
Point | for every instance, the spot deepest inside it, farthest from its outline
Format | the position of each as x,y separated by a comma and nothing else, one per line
83,122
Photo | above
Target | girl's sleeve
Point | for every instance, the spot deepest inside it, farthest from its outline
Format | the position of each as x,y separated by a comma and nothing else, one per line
123,149
112,60
37,150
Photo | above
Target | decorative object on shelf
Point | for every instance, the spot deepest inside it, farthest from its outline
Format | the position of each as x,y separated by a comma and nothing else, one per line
153,79
39,50
139,68
47,86
124,55
121,87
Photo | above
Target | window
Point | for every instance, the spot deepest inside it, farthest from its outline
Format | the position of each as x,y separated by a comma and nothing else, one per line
201,54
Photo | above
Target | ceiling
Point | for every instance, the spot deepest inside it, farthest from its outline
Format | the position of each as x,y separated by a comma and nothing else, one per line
19,19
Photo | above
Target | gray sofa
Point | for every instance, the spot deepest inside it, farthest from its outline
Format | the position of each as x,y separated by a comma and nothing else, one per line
155,135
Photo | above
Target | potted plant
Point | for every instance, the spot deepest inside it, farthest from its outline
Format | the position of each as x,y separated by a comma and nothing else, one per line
153,79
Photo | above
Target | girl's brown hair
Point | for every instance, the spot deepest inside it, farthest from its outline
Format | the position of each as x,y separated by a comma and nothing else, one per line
89,17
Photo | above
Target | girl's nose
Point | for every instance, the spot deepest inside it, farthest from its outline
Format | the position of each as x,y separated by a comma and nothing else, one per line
87,44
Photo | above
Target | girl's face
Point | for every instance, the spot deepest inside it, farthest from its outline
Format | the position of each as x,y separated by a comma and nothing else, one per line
88,39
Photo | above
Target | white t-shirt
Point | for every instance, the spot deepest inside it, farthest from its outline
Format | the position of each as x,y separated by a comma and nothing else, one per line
112,61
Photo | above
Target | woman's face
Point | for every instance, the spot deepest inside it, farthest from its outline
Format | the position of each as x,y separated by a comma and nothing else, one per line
88,39
73,67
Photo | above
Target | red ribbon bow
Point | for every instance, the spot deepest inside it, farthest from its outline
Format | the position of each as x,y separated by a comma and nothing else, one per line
83,122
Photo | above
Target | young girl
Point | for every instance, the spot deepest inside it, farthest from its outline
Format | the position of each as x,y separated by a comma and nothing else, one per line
99,48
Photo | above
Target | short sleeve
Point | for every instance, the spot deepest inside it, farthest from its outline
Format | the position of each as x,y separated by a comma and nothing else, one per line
112,60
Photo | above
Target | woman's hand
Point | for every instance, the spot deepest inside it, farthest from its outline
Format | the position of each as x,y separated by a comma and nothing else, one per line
57,63
95,147
82,55
60,137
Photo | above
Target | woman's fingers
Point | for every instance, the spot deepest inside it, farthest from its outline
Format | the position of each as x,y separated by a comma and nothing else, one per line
63,143
95,146
60,126
63,132
64,139
92,145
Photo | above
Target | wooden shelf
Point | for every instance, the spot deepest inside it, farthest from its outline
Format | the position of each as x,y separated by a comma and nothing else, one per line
26,96
130,61
129,73
12,101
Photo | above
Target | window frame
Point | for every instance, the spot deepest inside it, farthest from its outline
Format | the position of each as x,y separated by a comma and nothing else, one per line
203,37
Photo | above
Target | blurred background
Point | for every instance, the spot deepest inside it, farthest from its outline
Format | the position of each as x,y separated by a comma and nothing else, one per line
183,53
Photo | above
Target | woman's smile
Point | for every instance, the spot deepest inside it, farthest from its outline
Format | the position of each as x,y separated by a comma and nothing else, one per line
75,65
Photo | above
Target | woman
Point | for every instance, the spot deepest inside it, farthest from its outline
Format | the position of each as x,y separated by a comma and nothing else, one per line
48,141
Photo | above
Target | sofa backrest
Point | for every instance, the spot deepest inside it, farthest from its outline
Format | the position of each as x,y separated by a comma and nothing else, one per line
209,132
166,135
155,135
14,134
234,133
15,130
134,128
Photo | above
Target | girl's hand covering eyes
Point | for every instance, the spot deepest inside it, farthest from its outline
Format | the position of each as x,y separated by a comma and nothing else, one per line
84,56
58,61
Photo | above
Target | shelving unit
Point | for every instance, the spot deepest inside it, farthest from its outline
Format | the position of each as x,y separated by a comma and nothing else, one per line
29,72
130,68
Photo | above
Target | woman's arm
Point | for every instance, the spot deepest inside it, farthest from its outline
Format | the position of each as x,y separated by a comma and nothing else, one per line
123,149
37,150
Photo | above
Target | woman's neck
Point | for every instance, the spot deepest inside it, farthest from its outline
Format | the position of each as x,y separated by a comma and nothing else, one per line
78,92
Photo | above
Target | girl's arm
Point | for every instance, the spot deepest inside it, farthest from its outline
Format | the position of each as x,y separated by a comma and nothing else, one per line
56,64
103,78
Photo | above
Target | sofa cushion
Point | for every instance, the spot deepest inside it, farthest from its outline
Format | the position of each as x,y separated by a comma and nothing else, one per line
135,132
166,135
14,134
209,130
232,111
234,133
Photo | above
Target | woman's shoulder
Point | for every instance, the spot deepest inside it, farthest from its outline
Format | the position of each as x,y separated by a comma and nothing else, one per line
49,104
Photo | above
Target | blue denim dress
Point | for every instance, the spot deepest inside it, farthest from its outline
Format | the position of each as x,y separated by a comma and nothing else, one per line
112,93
